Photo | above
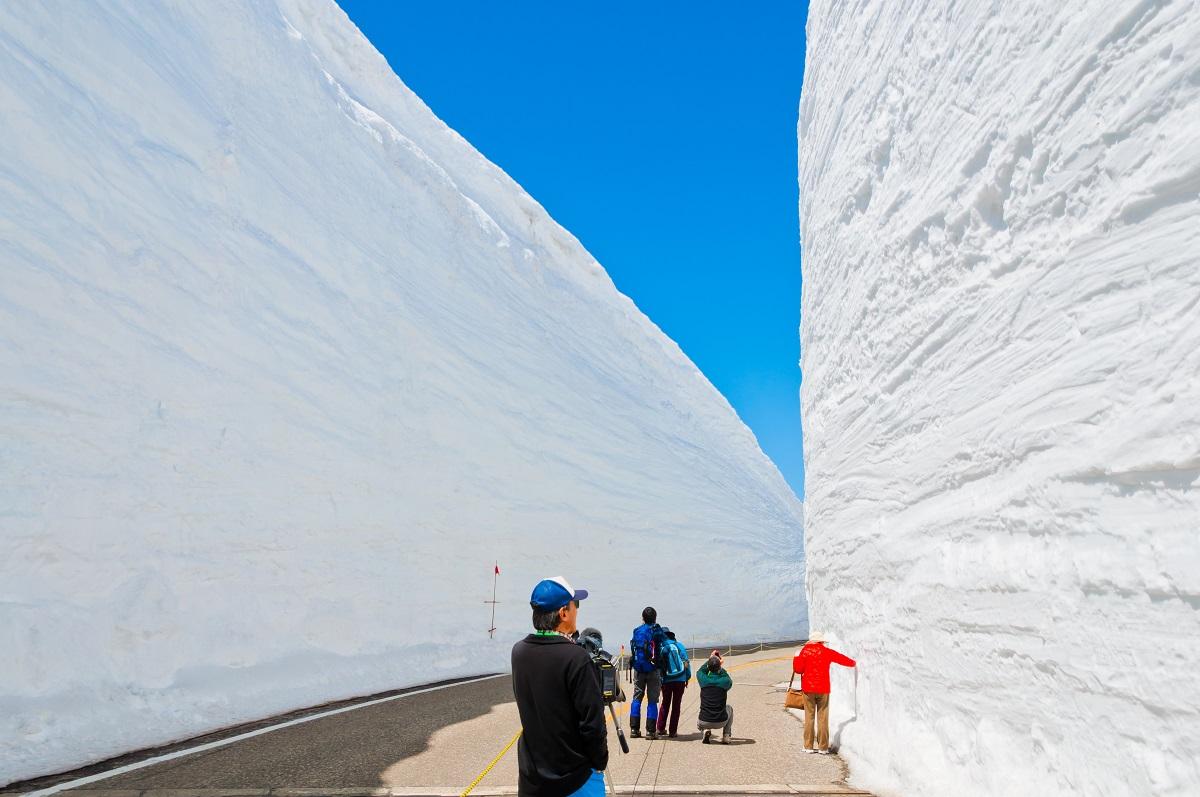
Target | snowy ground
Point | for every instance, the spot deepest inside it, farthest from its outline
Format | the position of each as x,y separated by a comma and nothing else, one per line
286,365
1000,212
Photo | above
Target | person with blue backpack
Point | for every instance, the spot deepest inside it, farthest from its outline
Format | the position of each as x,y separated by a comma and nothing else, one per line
676,672
645,650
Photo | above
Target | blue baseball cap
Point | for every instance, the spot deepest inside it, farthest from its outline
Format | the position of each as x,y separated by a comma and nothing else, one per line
554,593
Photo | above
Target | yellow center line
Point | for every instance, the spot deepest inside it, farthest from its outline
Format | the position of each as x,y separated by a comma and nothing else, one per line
495,761
760,661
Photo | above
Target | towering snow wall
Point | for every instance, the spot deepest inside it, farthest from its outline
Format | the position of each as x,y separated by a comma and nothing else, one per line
286,366
1001,354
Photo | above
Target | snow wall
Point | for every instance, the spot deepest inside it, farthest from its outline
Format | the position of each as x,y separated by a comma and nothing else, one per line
286,366
1000,208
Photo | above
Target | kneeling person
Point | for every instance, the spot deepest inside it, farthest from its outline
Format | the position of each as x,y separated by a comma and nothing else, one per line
715,711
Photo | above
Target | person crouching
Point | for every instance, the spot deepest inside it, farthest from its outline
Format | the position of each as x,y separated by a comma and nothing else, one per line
715,711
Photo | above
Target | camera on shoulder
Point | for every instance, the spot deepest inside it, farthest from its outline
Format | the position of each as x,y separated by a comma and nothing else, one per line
610,686
606,670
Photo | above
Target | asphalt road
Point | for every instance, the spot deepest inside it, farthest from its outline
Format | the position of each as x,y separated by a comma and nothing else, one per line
439,742
352,749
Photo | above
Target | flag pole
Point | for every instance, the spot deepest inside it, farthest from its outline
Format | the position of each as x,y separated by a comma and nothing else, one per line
495,578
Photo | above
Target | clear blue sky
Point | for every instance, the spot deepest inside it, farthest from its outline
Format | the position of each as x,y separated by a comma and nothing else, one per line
663,136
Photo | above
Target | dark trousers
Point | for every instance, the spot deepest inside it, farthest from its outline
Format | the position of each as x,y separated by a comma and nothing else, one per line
647,685
672,699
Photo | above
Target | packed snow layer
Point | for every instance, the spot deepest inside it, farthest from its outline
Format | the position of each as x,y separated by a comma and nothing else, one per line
286,366
1000,209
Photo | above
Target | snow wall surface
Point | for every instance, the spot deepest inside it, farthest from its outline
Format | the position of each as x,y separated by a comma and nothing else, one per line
1000,207
286,366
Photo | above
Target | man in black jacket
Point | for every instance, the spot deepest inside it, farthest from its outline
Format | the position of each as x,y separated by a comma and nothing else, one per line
564,747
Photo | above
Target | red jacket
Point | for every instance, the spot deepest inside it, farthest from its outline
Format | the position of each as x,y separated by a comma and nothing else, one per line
812,665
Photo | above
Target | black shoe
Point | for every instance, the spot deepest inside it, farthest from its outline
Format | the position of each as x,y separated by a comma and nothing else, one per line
634,733
635,727
651,735
672,735
707,737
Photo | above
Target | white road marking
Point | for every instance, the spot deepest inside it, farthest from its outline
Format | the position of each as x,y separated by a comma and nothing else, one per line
73,784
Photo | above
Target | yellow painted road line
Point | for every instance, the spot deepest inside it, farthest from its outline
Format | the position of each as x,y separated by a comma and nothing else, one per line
495,761
760,661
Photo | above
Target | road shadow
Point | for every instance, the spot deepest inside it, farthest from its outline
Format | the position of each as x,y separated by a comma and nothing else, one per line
349,749
733,742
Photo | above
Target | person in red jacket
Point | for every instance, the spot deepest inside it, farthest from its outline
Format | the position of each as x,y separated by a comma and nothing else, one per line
812,665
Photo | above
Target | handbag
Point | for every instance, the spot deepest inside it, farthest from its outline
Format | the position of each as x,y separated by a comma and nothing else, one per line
794,699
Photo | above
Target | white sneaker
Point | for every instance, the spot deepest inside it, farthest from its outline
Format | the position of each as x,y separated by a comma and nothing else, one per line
809,750
823,752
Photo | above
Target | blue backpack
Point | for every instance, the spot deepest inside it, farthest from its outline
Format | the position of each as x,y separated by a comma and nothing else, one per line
674,658
646,646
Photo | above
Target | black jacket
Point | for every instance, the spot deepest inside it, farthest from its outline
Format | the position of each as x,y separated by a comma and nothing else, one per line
562,714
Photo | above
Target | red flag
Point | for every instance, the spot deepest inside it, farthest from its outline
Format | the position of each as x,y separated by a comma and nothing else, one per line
497,569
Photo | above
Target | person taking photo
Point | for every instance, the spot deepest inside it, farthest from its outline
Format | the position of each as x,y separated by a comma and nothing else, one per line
715,710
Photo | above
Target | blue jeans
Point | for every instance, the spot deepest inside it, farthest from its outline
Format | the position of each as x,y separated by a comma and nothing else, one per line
593,787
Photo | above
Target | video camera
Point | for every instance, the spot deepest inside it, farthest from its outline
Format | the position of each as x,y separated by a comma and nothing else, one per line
610,687
606,670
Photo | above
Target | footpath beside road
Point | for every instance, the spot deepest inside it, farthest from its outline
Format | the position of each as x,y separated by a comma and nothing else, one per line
443,742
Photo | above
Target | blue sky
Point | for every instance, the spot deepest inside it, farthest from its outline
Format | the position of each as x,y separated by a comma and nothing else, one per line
663,136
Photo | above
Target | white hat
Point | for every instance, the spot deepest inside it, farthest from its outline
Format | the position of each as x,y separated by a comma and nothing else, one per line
816,636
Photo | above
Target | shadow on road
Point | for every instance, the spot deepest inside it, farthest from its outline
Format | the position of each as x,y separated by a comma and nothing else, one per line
344,750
